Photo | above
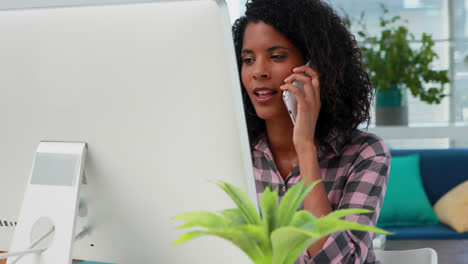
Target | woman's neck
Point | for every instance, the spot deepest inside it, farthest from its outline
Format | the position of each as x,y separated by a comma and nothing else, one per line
280,137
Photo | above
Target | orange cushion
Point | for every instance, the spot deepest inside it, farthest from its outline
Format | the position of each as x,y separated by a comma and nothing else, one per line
452,208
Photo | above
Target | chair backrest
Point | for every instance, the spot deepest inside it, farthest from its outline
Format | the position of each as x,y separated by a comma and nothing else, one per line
411,256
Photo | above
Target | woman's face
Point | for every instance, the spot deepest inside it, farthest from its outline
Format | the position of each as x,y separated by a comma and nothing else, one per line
267,59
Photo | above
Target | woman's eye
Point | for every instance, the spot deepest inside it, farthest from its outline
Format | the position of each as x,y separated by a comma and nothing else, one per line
278,57
247,60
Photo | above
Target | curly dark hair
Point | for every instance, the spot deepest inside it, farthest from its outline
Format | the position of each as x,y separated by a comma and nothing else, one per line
321,36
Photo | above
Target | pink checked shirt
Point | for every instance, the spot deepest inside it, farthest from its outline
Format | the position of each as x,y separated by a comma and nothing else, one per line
355,175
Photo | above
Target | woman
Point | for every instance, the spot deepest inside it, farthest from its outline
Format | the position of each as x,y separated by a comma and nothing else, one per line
273,41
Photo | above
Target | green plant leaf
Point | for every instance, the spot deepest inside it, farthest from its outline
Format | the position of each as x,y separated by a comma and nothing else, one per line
292,200
235,216
303,219
289,243
266,240
242,201
257,235
390,59
395,18
202,219
326,226
188,236
269,208
245,237
337,214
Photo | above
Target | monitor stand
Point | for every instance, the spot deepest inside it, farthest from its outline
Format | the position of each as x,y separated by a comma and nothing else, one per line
51,203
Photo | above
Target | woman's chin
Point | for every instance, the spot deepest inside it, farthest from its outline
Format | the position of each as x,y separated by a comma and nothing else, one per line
264,114
267,114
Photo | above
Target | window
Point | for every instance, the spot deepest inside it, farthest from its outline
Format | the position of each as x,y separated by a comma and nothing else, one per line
461,61
427,16
447,22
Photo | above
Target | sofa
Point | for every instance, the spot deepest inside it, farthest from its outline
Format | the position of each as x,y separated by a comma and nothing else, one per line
441,170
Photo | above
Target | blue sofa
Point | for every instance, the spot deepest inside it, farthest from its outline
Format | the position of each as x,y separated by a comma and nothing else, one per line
441,170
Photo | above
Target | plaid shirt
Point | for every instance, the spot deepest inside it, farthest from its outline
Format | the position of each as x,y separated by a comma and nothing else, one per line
355,176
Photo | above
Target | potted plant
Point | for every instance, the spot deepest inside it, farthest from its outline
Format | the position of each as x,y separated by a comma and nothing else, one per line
280,235
394,65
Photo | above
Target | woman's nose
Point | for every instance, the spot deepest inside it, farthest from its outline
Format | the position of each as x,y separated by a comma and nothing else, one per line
261,71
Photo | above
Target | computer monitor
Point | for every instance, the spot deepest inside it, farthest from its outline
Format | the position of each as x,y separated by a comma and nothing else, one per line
153,90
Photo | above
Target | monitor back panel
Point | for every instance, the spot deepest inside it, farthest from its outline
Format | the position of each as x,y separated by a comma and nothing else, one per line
153,90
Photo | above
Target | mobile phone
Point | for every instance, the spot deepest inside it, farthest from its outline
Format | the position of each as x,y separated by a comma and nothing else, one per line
290,100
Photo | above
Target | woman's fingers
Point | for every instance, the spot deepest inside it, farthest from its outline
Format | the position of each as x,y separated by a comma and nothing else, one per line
311,84
307,71
311,73
298,77
296,91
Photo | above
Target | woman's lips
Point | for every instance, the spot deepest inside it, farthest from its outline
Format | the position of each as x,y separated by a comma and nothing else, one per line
264,95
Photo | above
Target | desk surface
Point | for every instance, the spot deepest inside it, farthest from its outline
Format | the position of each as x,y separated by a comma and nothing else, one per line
3,261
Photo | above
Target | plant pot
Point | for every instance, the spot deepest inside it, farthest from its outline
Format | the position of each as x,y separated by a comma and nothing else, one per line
392,107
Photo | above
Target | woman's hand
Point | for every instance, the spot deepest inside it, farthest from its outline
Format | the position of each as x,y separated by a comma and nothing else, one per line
308,109
308,105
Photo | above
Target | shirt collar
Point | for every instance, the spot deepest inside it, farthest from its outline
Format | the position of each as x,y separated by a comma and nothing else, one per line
262,146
